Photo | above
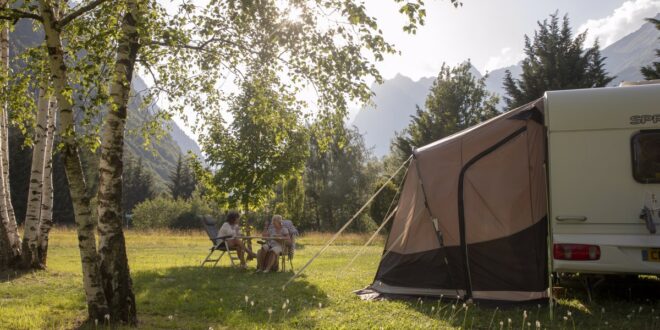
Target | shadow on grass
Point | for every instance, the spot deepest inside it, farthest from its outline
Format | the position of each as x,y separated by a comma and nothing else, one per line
199,297
618,303
12,274
632,289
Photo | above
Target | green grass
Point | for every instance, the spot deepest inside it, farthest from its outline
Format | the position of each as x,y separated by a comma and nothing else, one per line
174,292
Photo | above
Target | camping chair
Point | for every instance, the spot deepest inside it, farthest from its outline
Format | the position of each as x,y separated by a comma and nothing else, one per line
289,251
219,243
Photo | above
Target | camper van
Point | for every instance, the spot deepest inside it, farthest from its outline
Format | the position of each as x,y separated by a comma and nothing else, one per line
604,179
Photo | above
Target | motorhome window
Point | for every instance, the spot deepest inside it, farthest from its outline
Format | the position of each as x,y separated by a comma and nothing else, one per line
646,156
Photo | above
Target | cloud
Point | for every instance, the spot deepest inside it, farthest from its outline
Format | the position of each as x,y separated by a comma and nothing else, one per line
505,58
623,21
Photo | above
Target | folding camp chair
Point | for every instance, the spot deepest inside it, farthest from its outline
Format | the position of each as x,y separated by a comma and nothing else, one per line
219,243
288,253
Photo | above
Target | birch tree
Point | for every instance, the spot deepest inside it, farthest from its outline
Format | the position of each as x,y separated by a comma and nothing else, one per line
112,246
4,126
46,214
9,240
6,252
96,301
32,222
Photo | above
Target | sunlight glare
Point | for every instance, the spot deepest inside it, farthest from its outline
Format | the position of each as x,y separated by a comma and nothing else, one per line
293,14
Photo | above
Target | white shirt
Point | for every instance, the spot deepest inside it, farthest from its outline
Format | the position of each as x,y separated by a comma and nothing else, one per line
228,230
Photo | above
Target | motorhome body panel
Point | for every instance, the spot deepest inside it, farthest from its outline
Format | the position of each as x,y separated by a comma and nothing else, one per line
594,198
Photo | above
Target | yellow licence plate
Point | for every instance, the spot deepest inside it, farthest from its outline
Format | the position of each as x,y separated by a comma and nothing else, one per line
651,255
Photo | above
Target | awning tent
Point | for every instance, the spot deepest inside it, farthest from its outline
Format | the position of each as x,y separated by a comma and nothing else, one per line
472,216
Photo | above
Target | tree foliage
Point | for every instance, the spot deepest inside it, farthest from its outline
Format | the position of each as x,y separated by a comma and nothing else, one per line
385,202
338,180
456,101
264,144
289,199
166,212
182,179
652,71
555,60
137,184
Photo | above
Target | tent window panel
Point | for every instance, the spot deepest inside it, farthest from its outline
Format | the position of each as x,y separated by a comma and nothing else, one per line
646,156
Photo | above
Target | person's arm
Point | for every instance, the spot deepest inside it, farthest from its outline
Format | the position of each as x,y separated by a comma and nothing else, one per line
225,230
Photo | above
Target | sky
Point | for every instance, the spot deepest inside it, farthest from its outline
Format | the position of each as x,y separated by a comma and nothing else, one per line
490,33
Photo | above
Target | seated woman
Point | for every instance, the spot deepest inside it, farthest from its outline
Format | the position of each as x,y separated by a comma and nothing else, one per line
267,256
231,228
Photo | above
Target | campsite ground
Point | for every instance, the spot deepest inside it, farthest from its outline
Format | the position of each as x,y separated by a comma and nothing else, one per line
173,291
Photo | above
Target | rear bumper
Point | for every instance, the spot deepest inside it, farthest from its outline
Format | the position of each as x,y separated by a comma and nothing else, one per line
619,254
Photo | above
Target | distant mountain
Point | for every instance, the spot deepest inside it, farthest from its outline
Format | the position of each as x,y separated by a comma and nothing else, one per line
162,155
496,77
395,100
626,56
185,143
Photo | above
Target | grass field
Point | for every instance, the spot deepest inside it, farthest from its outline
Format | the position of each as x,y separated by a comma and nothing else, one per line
174,292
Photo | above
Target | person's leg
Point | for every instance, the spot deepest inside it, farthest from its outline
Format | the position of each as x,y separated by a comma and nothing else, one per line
240,249
278,252
261,258
246,249
271,259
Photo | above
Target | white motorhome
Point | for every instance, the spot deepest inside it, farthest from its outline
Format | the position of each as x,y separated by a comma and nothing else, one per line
604,179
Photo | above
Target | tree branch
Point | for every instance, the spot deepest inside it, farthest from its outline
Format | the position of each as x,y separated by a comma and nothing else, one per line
14,14
80,11
200,46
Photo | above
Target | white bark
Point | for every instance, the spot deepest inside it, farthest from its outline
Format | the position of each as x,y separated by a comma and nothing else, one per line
46,214
96,302
5,168
9,231
112,246
32,214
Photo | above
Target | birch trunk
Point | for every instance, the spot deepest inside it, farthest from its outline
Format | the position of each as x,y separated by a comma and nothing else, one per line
112,247
96,302
5,166
9,233
46,214
32,214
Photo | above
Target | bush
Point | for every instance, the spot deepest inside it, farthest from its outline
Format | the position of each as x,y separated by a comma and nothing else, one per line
165,212
363,224
187,220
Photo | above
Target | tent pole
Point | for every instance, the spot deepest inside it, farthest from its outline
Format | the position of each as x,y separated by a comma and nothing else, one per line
388,216
382,225
336,235
438,233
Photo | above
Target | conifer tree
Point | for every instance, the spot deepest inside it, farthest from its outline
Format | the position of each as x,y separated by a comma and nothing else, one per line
555,60
456,101
138,184
652,71
182,180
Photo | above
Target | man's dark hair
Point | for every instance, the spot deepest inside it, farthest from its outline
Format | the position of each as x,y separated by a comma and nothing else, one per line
232,216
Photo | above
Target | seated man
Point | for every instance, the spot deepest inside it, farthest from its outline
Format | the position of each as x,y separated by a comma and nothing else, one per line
231,228
267,257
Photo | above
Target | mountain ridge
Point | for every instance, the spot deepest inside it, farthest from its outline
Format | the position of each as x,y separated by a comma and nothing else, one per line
396,99
163,153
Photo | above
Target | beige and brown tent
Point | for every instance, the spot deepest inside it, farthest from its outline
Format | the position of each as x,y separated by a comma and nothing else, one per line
472,216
